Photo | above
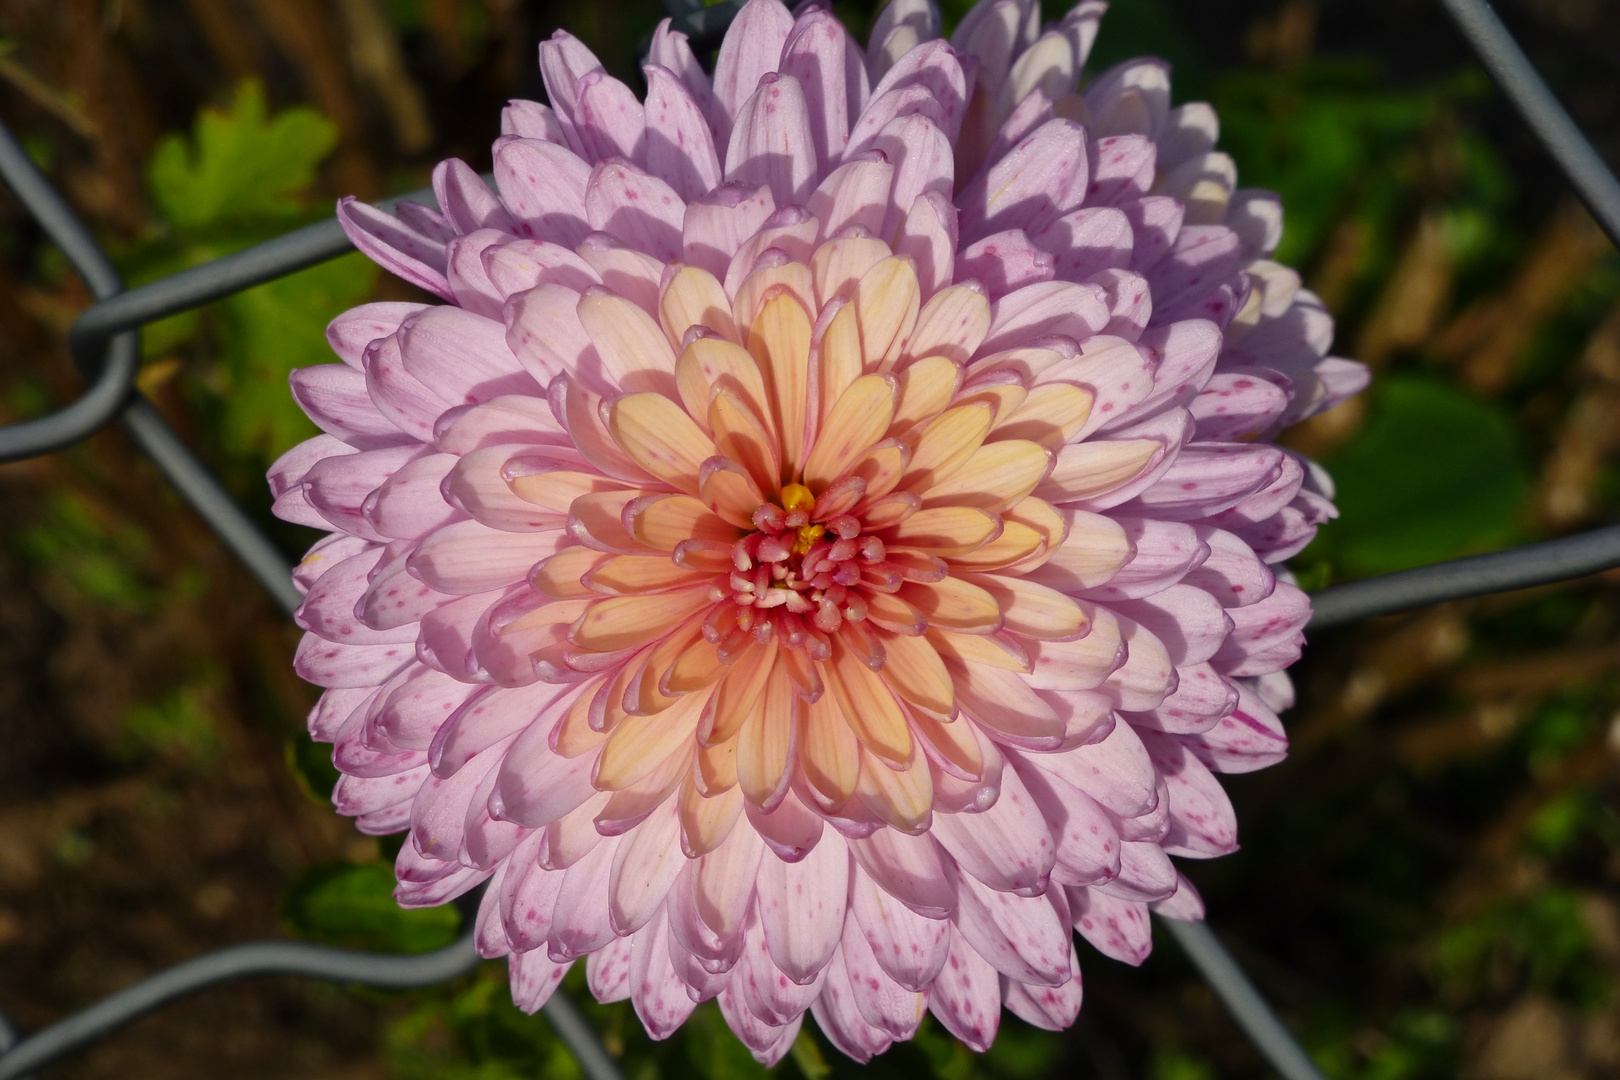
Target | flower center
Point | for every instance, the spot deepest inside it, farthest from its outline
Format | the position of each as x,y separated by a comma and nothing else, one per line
796,579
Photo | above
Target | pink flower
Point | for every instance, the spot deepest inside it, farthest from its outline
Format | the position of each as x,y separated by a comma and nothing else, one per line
822,550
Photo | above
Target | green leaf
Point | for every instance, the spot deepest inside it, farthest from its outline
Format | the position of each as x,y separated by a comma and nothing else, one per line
272,329
240,164
353,904
1433,474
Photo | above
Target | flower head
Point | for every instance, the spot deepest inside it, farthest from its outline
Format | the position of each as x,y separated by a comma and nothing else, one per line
823,546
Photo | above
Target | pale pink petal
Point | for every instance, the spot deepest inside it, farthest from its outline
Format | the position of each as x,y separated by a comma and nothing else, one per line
351,332
910,947
531,120
801,907
680,146
535,977
607,971
771,142
966,997
1053,1008
1008,846
659,996
1116,928
1189,622
841,1021
466,201
1266,636
543,185
1145,873
752,48
636,208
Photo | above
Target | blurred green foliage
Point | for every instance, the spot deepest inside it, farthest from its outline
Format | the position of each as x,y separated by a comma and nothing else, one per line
1433,473
179,726
242,177
352,904
240,165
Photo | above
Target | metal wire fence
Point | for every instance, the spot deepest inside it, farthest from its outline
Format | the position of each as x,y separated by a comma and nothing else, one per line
104,341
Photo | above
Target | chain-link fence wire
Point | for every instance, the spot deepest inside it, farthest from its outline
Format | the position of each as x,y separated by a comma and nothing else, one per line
104,341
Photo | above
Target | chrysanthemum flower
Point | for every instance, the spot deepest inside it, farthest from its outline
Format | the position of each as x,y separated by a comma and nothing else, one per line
821,550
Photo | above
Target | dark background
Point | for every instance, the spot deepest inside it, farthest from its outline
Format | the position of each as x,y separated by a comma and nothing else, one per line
1426,887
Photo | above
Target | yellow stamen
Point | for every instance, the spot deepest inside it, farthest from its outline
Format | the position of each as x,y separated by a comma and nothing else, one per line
808,535
797,497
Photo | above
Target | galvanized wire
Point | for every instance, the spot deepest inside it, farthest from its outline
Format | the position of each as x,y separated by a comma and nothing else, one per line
1518,79
104,342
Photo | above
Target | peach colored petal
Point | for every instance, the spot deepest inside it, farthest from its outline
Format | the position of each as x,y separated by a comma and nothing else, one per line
868,705
1052,415
706,821
556,489
894,614
708,364
996,650
889,511
780,340
623,622
727,489
913,668
838,356
926,388
765,745
696,667
633,348
639,744
954,604
856,423
738,693
635,575
1017,543
658,435
1002,397
882,468
739,437
946,442
663,521
597,521
607,708
829,754
952,324
558,611
945,531
714,767
559,576
694,297
574,735
645,693
996,477
955,749
805,672
704,555
1032,609
902,798
887,301
629,806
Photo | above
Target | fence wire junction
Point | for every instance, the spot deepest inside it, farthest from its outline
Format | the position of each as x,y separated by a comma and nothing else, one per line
104,341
